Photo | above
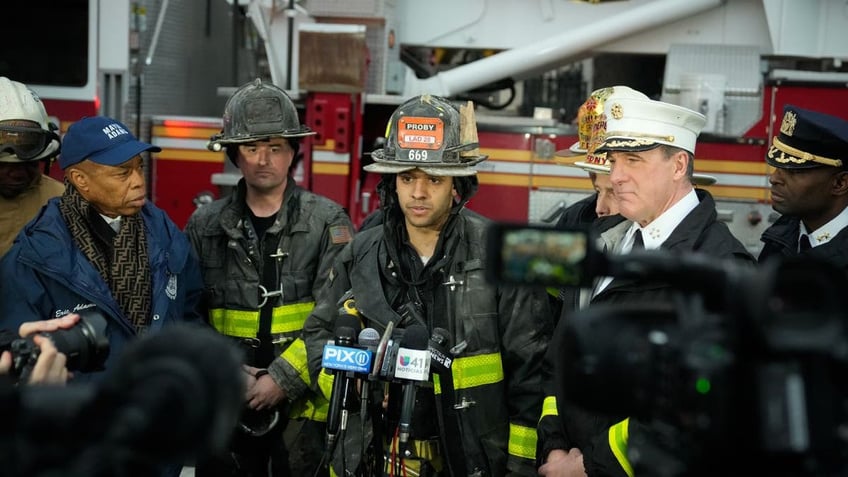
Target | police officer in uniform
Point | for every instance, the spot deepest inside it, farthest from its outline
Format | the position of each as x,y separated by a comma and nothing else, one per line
809,187
425,265
265,253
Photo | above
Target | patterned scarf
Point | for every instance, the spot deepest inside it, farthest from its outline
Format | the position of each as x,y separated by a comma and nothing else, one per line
123,263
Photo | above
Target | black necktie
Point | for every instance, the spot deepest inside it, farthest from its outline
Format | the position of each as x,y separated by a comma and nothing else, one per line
638,243
804,243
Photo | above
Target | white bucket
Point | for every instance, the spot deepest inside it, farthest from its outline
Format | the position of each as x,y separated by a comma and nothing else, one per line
704,93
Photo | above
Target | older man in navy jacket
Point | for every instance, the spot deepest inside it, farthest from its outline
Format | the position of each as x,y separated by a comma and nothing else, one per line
102,244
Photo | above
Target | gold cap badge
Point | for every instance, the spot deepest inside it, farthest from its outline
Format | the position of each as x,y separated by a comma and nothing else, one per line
788,125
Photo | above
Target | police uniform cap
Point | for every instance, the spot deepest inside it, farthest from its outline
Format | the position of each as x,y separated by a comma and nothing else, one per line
809,139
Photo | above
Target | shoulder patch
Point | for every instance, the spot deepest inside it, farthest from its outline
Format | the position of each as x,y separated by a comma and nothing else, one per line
340,234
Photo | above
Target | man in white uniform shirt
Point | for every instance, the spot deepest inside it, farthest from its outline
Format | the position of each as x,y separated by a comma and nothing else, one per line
651,149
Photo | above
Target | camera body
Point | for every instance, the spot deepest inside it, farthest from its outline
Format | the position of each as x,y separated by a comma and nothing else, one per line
741,363
85,345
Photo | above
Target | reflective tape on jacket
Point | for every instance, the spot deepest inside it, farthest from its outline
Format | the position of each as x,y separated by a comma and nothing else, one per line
522,441
618,435
245,324
315,409
549,407
473,371
295,355
325,383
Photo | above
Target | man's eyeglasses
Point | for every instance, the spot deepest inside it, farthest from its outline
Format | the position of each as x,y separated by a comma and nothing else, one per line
24,141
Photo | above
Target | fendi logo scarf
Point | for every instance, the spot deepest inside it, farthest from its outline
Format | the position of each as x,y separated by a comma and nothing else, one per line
127,270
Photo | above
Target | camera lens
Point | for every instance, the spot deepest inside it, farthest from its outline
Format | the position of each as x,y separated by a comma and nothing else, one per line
86,344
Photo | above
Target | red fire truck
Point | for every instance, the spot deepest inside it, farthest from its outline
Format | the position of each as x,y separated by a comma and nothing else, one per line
739,62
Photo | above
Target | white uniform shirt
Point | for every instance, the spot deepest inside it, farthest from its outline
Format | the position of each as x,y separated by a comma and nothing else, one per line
654,233
827,231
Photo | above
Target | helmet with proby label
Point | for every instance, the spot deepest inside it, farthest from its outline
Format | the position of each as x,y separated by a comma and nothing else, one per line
26,133
258,111
429,133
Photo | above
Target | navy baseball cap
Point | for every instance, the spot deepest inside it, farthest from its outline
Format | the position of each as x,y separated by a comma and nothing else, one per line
809,139
102,140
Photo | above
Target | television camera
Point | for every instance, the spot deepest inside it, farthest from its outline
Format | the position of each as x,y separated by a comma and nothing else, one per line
740,373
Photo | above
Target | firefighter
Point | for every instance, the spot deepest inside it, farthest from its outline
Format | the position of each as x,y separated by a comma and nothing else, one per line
809,186
650,146
424,265
27,141
591,126
266,252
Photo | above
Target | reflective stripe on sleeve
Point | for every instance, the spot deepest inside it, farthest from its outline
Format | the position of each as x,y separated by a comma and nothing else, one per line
522,441
325,383
295,355
549,407
618,434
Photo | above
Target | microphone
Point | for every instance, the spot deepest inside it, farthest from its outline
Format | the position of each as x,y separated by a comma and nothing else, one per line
413,366
439,348
380,354
344,359
369,338
387,370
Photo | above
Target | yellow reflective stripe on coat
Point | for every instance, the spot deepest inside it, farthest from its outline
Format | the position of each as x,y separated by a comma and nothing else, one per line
473,371
325,383
522,441
295,355
245,324
549,407
618,434
315,409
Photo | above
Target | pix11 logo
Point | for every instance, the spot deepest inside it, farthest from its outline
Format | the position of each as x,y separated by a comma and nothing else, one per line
342,358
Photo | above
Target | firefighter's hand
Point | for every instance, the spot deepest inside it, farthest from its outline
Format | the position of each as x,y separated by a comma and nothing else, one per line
262,391
561,463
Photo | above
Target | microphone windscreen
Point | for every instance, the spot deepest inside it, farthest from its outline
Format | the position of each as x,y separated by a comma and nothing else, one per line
369,337
348,321
415,337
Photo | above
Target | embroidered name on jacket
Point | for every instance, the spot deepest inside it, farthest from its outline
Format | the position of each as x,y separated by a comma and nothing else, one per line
78,307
